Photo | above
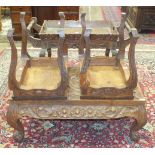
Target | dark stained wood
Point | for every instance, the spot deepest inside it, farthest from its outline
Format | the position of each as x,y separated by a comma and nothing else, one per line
52,12
42,13
141,17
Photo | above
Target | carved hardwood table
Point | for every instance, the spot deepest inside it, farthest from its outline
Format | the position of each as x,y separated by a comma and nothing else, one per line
97,88
74,31
78,109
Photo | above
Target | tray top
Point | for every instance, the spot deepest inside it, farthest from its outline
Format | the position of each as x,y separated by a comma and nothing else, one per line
74,27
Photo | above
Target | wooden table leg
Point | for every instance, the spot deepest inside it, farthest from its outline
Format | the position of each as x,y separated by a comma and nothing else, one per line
107,52
13,121
141,120
49,52
42,53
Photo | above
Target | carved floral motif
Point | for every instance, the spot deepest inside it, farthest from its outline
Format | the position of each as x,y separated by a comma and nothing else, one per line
77,111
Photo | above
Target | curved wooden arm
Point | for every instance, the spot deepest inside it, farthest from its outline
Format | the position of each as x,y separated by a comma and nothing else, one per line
122,26
24,52
86,61
83,22
61,62
13,84
26,33
121,34
132,82
81,42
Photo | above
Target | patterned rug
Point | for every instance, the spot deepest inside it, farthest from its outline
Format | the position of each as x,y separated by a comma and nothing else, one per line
86,133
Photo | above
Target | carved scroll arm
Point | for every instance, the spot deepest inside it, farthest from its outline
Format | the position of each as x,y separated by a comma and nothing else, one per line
87,58
61,62
26,32
83,22
82,41
13,84
24,52
33,24
132,81
121,28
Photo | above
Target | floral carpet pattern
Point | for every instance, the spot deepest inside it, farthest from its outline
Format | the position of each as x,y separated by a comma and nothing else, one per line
86,133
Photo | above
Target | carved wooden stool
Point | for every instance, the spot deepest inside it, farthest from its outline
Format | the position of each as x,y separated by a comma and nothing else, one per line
107,77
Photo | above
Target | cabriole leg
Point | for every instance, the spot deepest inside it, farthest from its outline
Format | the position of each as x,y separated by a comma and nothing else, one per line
141,120
13,121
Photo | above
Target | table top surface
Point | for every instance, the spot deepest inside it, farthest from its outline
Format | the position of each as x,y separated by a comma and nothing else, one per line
74,27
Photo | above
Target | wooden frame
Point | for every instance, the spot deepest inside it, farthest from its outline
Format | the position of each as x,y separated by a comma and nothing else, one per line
116,61
15,86
42,42
110,92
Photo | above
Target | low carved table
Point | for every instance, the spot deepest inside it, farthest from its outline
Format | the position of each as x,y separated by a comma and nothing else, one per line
100,87
76,108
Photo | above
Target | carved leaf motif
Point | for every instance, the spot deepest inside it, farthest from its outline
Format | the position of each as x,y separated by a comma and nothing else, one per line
76,112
